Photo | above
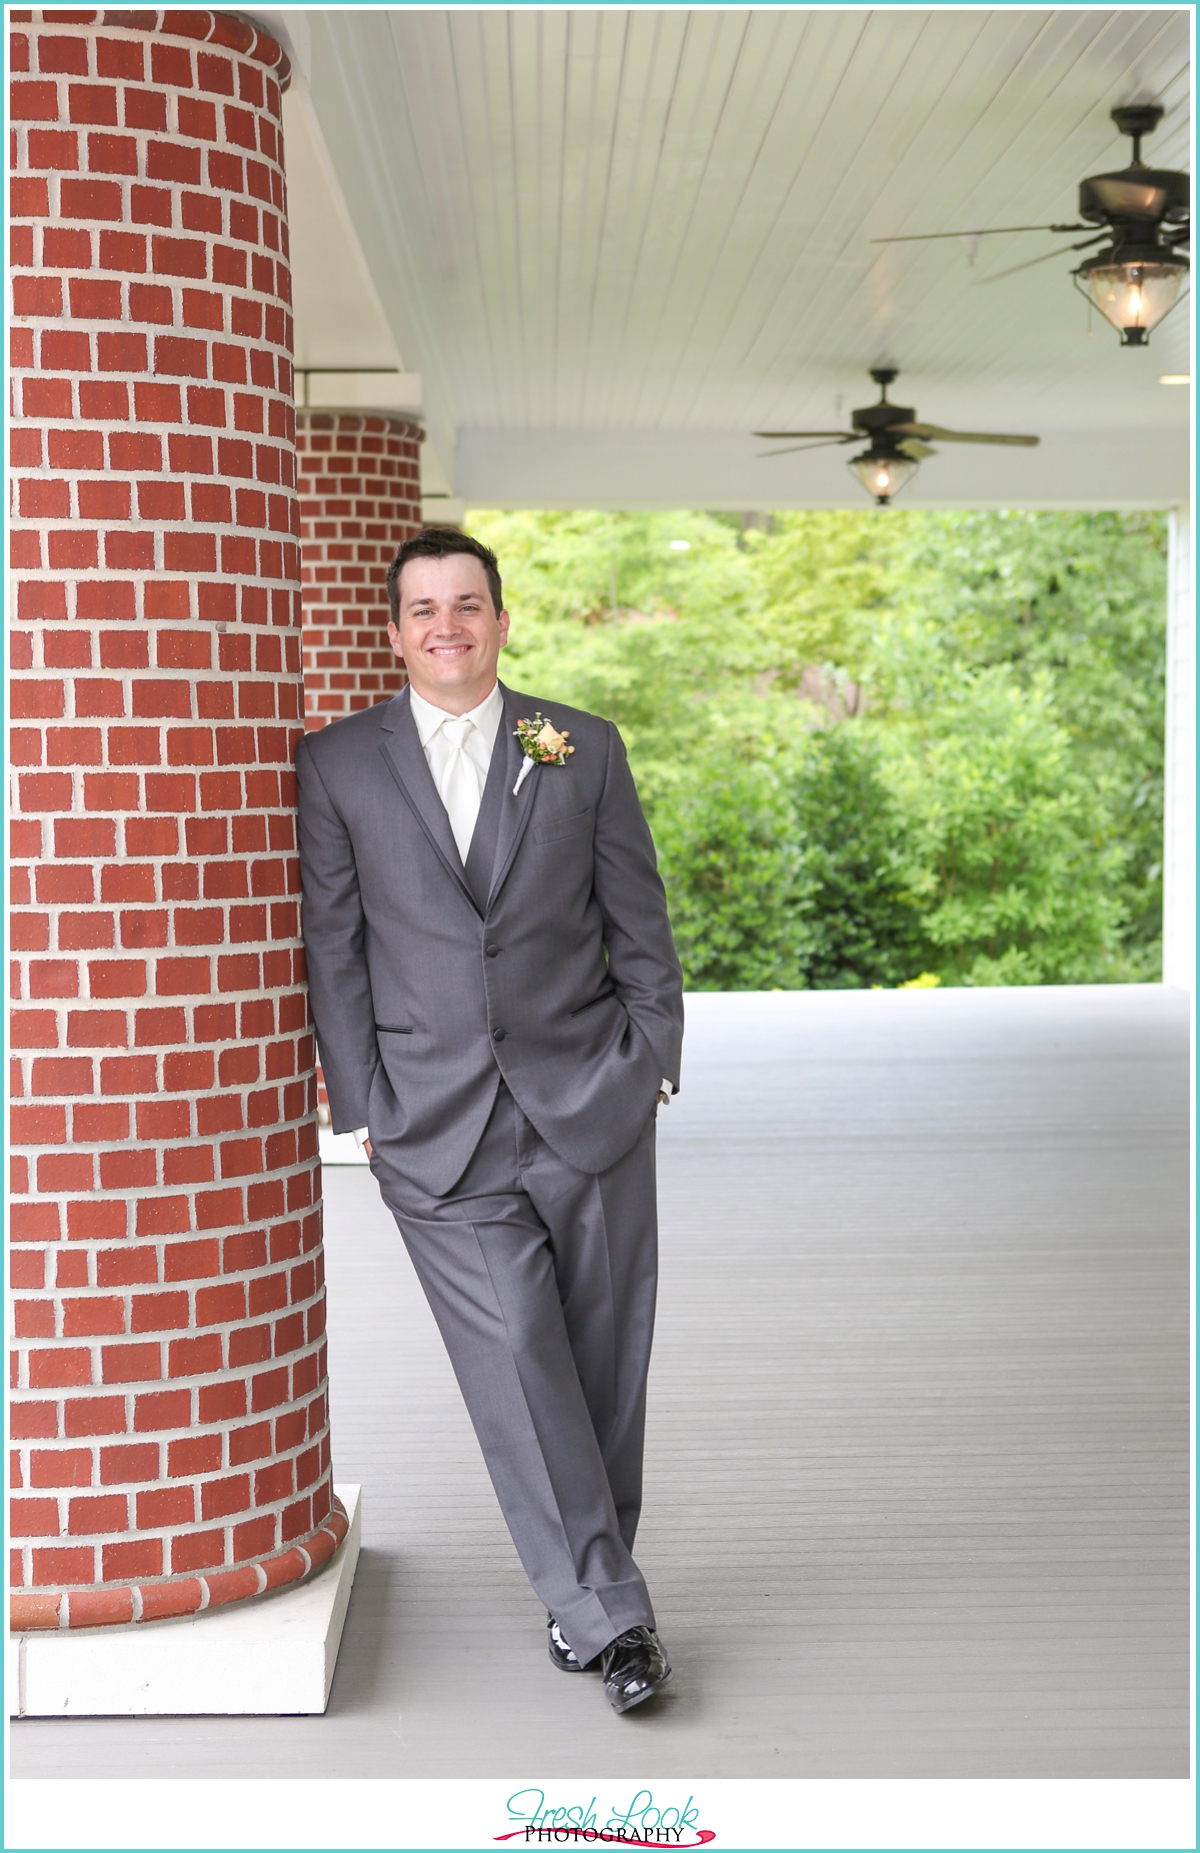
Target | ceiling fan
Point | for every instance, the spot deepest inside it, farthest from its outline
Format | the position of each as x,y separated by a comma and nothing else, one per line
1144,211
897,441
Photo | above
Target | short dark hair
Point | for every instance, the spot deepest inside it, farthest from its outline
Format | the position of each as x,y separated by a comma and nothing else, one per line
440,544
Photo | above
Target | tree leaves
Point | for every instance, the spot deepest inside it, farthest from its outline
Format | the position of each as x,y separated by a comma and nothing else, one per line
871,745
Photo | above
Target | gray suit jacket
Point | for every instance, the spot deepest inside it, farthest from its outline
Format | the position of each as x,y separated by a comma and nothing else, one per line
566,982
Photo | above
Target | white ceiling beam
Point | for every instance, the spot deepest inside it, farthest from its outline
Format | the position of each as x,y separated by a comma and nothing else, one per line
629,468
354,391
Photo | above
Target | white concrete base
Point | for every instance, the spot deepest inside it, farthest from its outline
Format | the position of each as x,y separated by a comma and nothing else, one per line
274,1654
339,1148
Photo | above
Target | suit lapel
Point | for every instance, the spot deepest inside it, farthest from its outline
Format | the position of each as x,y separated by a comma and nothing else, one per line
516,812
400,745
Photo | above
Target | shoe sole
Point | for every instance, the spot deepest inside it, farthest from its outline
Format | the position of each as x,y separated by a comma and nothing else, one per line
641,1698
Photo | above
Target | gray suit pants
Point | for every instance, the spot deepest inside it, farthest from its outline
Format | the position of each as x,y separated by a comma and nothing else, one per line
542,1280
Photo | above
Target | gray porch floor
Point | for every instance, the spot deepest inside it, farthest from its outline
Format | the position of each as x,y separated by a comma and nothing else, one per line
918,1446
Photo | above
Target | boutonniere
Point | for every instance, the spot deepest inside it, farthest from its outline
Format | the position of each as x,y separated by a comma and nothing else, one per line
543,745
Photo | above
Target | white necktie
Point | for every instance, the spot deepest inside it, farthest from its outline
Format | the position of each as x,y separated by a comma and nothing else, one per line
459,787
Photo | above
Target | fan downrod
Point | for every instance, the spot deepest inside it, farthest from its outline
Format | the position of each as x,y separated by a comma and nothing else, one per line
1136,120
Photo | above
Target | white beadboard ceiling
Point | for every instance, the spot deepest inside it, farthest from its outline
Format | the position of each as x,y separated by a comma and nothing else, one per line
613,241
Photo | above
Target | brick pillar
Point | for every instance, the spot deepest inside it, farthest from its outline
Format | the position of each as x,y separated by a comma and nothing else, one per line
169,1410
360,496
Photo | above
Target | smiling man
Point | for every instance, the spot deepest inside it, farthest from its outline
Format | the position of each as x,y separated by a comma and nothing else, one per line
499,1011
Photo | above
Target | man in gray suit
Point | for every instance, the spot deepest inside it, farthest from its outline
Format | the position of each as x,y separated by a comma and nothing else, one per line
499,1011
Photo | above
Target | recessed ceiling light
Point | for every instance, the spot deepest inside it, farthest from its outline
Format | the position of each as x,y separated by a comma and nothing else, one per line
1174,379
679,546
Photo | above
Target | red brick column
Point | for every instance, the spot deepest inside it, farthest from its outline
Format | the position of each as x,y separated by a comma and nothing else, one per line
169,1410
360,496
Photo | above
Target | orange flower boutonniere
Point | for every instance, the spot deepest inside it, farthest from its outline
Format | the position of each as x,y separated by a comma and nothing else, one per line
543,745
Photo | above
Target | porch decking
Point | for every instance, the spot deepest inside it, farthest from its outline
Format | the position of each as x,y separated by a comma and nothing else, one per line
918,1445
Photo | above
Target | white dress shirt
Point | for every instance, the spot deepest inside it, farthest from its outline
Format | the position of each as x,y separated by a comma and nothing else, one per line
458,751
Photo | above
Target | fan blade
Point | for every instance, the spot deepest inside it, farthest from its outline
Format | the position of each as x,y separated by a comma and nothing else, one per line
913,447
789,449
988,232
1081,246
847,437
962,437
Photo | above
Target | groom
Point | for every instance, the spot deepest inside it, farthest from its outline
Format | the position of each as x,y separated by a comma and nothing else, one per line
499,1010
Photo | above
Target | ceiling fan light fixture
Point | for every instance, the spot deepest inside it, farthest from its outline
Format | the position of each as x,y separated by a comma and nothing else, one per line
882,474
1135,292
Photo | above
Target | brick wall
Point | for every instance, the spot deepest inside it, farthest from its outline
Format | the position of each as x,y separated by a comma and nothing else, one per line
360,496
170,1418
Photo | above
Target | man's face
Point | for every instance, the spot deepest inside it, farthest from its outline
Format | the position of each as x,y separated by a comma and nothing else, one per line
450,634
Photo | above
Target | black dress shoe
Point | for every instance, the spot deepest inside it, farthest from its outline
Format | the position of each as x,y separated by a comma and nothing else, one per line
634,1667
561,1653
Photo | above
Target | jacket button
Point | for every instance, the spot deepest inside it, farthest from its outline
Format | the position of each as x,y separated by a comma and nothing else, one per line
492,951
498,1035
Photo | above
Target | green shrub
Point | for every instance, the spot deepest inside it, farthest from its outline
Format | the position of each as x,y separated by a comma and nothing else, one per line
871,746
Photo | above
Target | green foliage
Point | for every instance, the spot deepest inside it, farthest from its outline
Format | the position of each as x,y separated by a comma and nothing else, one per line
1009,844
862,912
1079,600
735,882
787,871
872,745
824,581
607,616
